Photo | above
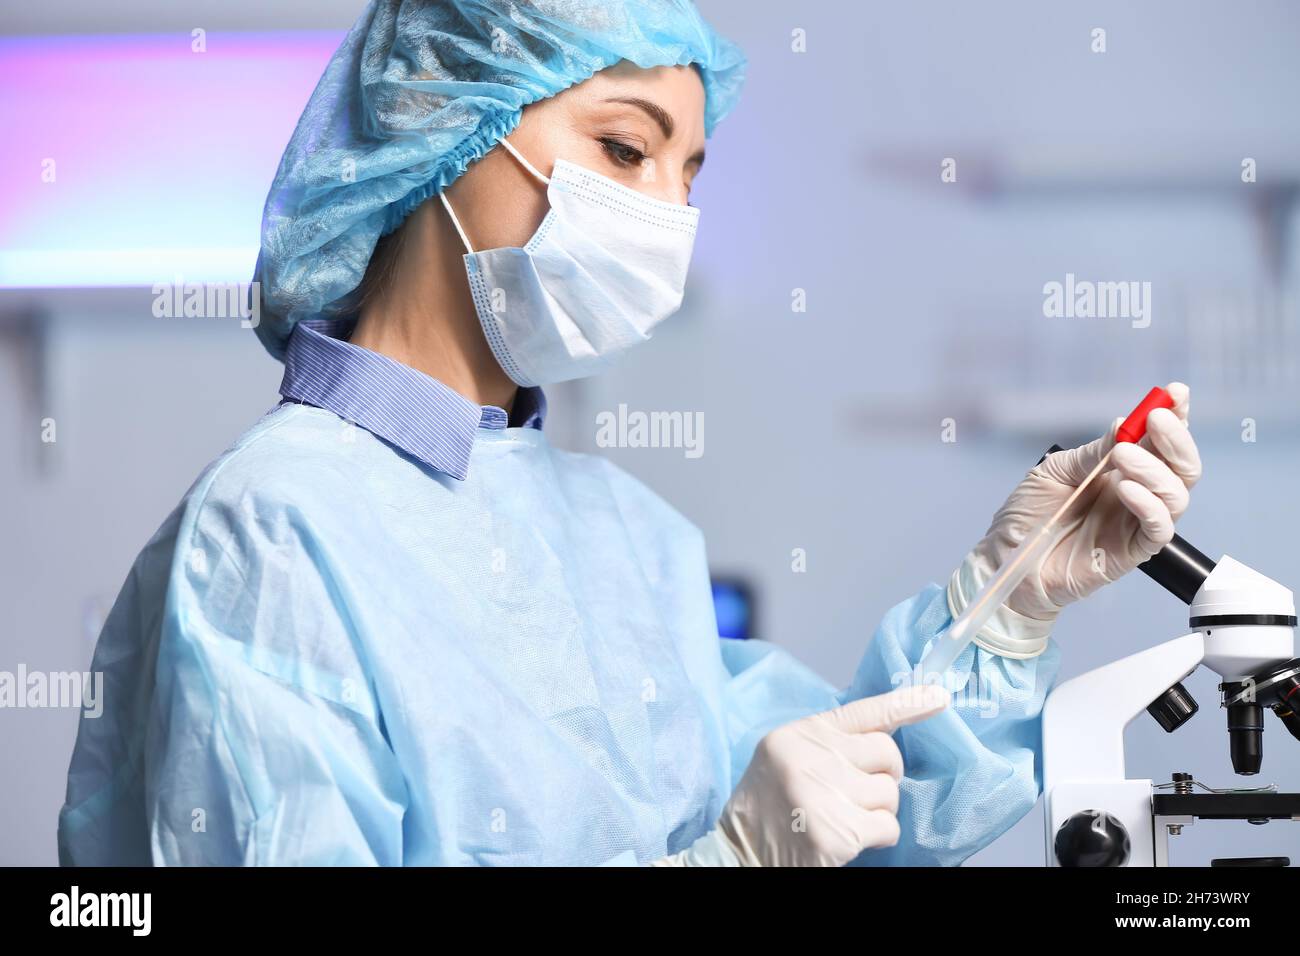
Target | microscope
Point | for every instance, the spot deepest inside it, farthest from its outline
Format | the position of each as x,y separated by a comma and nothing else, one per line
1242,628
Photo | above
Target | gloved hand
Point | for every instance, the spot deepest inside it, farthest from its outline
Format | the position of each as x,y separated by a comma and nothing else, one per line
1125,517
820,790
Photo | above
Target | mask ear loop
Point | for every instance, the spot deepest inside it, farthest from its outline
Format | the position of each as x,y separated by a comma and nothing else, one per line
456,222
452,213
523,162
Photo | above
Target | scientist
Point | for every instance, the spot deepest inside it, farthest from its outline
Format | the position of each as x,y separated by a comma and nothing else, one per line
394,625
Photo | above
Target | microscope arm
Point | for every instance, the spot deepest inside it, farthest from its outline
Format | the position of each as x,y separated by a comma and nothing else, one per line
1084,718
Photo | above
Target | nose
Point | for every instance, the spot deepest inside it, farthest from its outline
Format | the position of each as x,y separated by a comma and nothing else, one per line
679,193
667,184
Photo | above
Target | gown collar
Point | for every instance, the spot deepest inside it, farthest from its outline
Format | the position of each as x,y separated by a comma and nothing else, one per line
406,408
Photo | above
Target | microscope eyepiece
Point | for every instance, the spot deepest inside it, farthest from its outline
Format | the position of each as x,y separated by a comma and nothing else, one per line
1178,568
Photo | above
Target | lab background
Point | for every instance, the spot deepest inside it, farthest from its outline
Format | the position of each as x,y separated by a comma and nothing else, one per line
848,315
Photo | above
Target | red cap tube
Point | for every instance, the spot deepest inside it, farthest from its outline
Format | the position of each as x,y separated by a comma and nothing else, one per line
1135,426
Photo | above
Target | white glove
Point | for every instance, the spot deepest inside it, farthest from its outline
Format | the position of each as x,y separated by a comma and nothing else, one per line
1125,517
820,790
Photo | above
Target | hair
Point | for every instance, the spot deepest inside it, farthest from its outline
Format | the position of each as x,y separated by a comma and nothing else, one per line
382,267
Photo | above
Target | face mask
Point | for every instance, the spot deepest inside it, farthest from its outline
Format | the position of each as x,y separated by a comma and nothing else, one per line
604,268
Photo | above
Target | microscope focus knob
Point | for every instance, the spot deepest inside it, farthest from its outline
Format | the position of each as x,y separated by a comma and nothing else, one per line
1092,838
1173,708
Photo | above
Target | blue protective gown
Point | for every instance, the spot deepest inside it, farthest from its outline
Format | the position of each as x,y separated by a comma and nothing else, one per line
331,653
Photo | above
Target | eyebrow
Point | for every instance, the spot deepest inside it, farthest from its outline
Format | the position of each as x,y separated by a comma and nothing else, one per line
661,117
653,110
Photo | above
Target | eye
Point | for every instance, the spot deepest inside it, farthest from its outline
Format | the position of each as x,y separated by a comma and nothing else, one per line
622,153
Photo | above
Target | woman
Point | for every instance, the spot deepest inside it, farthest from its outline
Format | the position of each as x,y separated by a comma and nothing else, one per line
393,625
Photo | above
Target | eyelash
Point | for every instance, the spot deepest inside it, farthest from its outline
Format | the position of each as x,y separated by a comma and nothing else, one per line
622,153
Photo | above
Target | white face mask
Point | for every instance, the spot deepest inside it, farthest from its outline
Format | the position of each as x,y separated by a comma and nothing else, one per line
605,267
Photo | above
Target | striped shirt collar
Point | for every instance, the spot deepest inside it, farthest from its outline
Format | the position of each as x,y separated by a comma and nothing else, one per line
406,408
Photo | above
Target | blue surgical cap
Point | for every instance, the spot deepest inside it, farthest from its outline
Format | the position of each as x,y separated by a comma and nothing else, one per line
418,91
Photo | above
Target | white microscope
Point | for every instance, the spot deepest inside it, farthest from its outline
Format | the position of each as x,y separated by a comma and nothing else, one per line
1242,628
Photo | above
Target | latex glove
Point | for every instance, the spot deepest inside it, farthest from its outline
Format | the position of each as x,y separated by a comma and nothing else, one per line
820,790
1125,517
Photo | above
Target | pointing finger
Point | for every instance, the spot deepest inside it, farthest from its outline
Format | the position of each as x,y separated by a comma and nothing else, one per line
900,707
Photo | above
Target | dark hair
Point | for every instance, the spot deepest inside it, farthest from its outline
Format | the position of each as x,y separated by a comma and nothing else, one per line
383,265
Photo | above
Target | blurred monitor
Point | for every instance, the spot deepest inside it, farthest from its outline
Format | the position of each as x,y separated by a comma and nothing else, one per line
733,603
